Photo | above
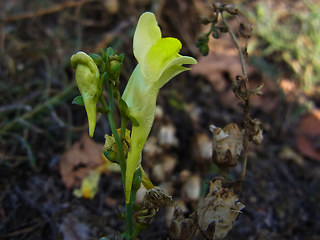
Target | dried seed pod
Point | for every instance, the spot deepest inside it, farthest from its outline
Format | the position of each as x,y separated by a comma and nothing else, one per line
182,228
217,212
152,201
156,198
227,145
256,131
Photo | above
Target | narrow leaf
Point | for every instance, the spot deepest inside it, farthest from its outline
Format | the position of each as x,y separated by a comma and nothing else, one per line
78,100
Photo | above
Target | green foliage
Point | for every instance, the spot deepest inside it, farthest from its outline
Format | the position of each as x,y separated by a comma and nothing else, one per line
292,38
78,100
202,44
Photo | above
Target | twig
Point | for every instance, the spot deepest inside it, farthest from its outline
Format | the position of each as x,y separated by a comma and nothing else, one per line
236,42
45,11
22,231
15,107
246,110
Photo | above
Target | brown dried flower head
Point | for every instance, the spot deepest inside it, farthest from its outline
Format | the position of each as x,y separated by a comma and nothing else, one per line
227,145
182,228
218,211
156,198
256,132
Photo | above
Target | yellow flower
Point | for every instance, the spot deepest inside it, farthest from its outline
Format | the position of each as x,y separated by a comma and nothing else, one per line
158,61
89,84
89,185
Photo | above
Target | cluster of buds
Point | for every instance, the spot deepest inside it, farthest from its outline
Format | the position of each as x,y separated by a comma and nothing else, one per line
216,29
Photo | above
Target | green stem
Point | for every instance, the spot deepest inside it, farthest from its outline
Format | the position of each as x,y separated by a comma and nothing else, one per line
124,121
118,139
113,125
129,214
122,163
136,231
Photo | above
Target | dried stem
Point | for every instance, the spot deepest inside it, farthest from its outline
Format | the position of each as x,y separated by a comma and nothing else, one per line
45,11
236,42
246,110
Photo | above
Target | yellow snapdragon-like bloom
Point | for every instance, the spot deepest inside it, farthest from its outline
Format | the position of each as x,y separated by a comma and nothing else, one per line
158,61
89,84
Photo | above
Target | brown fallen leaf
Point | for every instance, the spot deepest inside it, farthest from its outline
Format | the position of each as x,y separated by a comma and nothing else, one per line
84,156
308,135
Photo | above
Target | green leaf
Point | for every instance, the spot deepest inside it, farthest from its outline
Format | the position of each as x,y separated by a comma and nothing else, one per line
125,111
96,58
78,100
202,44
27,146
137,180
112,156
216,33
110,52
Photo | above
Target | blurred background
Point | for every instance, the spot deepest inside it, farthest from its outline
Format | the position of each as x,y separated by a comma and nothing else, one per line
45,151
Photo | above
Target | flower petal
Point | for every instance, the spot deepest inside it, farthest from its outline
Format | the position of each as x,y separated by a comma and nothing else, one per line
91,109
141,100
159,61
161,53
173,68
146,35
